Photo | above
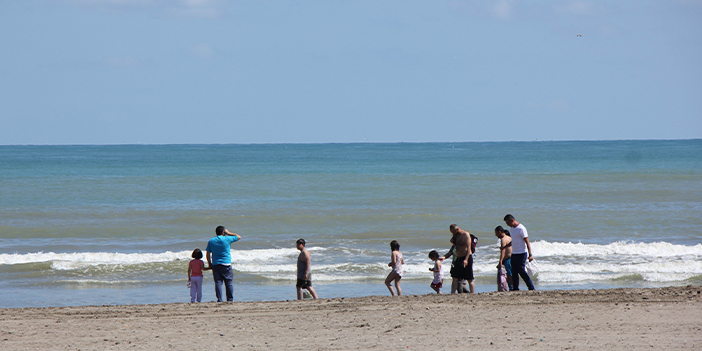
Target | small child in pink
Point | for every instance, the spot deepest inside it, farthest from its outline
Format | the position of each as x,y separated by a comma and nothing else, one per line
195,269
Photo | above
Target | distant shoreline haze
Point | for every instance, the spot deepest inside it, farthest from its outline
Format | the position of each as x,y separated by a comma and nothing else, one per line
354,142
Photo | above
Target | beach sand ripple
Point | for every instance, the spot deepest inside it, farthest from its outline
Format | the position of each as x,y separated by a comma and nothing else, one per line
621,319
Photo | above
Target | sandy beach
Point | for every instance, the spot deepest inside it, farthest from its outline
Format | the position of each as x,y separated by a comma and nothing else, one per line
622,319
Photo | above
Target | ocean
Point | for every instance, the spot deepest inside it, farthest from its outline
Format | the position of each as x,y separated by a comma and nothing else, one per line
102,225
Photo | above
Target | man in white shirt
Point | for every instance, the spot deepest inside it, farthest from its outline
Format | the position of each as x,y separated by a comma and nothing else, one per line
520,247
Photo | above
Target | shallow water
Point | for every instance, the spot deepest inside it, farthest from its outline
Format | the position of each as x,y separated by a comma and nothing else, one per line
116,224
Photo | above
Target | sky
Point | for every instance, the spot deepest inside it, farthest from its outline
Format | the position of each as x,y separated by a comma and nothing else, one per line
216,71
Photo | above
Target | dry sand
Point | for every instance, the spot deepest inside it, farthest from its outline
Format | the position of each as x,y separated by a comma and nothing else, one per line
619,319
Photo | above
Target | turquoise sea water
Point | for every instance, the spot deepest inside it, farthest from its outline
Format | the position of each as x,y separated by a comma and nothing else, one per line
116,224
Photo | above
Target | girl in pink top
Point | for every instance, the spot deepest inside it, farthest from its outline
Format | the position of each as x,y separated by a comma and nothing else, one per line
195,269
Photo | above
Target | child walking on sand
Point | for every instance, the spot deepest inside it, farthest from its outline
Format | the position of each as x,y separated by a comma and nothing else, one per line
438,281
195,269
396,262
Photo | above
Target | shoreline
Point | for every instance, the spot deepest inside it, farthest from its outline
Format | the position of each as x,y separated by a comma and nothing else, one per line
73,296
623,318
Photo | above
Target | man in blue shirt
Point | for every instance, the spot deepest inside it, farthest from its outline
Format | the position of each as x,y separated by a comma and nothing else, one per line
219,259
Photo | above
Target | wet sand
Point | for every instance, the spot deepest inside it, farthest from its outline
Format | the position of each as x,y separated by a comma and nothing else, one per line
616,319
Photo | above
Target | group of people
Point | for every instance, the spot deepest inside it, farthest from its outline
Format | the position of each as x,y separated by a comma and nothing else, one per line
515,251
219,260
461,266
514,248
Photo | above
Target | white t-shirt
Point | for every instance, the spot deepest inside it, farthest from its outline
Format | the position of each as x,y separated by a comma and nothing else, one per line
518,234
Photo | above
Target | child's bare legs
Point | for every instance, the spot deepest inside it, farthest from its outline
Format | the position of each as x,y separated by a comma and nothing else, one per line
436,288
396,277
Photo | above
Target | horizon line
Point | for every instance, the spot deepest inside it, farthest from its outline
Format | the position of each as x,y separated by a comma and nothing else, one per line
355,142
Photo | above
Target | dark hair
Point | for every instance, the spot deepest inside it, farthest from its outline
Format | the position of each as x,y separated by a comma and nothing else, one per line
394,245
502,230
509,217
300,241
433,254
219,230
197,253
452,227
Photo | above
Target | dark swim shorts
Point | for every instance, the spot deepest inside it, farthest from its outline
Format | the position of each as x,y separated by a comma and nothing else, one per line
460,272
304,283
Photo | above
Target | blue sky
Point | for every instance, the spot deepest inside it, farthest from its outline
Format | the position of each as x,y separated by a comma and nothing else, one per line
211,71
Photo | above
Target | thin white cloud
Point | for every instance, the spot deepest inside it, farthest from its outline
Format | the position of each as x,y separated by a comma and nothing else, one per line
179,8
503,10
511,10
198,8
198,3
125,4
201,50
575,7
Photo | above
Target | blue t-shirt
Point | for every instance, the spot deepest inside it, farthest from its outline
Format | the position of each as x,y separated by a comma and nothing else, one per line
220,248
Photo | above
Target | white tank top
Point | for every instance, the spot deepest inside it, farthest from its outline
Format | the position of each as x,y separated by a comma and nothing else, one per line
398,264
438,276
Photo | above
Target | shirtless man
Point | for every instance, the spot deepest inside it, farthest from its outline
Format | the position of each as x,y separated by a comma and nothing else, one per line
452,253
463,266
304,274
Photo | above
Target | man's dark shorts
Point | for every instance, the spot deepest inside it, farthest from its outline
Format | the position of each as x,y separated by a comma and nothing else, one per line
460,272
304,283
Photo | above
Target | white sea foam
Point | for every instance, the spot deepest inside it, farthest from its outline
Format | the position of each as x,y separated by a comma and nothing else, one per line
81,259
657,249
264,254
655,271
116,258
558,262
